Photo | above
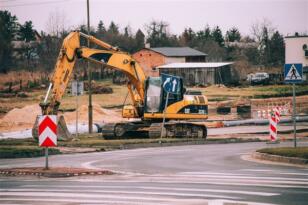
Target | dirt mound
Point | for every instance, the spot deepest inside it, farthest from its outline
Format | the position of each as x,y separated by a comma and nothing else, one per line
100,115
24,118
20,118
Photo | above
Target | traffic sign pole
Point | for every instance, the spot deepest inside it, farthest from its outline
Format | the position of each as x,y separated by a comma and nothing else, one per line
294,115
164,116
46,158
293,73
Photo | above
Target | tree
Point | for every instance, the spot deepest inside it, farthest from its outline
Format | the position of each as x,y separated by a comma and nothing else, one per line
26,32
158,35
205,34
277,49
233,34
8,30
56,24
139,39
265,50
48,51
217,36
258,28
113,28
101,28
187,37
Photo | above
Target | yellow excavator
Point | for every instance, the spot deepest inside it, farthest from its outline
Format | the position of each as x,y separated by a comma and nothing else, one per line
184,112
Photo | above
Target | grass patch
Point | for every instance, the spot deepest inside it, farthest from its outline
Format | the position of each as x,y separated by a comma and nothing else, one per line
301,152
280,91
25,151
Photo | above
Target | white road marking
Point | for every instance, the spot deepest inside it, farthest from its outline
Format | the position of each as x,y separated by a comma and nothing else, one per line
83,201
213,173
257,170
158,188
125,202
110,194
88,165
236,177
244,183
299,174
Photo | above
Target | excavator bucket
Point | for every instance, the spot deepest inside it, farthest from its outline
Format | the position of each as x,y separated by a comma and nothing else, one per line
62,132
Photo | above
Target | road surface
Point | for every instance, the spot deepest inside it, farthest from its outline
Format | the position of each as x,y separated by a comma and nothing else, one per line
198,174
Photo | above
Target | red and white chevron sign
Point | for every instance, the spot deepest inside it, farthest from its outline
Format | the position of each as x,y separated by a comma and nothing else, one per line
48,131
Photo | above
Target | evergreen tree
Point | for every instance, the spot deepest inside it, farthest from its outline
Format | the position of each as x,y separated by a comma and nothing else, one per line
188,36
277,49
217,36
26,32
205,34
139,38
264,48
233,35
113,28
8,30
101,28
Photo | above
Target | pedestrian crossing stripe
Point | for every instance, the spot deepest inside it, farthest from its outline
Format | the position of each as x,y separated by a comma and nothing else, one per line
293,74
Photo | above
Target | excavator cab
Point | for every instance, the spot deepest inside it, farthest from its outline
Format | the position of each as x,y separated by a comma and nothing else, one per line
156,96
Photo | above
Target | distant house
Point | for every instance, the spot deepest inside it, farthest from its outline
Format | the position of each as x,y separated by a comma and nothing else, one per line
150,58
297,52
19,46
202,73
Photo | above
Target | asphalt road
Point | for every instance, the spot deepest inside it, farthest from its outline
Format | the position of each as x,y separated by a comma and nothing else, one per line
199,174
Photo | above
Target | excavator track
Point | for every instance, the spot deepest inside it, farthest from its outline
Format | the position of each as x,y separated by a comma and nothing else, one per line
124,130
178,130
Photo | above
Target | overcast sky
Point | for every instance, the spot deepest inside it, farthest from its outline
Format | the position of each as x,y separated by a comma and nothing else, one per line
287,16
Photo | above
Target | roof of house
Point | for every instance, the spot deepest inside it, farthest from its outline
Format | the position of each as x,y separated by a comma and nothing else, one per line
177,51
299,36
195,65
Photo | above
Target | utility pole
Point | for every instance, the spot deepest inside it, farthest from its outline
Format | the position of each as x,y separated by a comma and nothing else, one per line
90,108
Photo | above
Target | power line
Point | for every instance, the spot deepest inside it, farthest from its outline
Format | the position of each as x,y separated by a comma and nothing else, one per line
37,3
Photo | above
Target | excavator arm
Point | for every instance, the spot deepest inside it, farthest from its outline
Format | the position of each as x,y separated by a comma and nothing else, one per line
109,56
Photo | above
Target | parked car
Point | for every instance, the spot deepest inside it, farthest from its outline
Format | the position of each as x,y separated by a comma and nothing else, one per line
258,78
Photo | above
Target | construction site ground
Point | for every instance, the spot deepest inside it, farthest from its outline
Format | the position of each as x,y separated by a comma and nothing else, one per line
20,113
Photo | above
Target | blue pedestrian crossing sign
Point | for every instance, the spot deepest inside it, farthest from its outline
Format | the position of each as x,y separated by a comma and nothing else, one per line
293,73
171,83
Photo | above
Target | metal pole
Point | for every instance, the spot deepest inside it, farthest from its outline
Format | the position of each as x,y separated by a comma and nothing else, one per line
164,116
46,158
89,76
77,109
294,114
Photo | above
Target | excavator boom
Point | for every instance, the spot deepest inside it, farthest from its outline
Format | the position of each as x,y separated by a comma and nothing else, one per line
109,56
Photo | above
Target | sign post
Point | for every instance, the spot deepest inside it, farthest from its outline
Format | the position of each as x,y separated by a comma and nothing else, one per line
77,89
293,73
294,115
47,133
171,84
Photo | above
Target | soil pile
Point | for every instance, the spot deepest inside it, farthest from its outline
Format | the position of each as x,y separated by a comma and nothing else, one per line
20,118
24,118
100,115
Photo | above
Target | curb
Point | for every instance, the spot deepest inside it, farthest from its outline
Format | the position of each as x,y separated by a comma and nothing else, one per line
277,158
12,172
